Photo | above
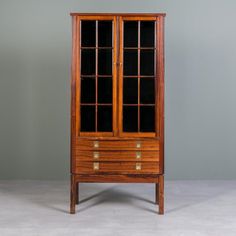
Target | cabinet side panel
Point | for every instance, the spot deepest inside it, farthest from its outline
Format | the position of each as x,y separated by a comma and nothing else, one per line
73,90
161,87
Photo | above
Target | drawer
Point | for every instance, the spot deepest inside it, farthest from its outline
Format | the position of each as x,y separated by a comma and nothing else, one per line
97,155
117,167
88,144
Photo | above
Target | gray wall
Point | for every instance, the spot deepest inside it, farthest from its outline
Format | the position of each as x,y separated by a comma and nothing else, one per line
35,47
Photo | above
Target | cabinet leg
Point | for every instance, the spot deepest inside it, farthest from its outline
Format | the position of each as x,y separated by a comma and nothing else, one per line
161,194
72,195
157,193
77,193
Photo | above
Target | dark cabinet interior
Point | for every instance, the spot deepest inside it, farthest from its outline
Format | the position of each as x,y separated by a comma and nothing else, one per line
96,75
138,76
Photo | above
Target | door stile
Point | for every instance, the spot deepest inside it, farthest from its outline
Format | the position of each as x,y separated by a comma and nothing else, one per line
76,51
115,76
120,82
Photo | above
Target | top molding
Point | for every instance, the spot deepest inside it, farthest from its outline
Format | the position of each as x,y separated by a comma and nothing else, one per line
117,14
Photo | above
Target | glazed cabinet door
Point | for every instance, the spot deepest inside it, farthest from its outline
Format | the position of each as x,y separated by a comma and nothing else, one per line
96,76
116,76
138,80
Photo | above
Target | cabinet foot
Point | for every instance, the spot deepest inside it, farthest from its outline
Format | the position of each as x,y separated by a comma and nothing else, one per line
161,194
72,195
77,193
72,209
156,194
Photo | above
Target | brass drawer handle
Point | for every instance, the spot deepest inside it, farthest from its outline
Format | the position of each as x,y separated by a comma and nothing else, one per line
96,144
138,145
96,155
96,165
138,166
138,155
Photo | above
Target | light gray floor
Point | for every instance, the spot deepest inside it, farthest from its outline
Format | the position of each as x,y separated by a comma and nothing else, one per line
192,208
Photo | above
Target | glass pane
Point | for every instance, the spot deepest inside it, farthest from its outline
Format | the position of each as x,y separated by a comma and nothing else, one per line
105,61
147,118
104,118
131,34
146,62
88,33
88,90
130,118
147,90
130,62
130,90
147,33
105,33
104,90
88,62
87,118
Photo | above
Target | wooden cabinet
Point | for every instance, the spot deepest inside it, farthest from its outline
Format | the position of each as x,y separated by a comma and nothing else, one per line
117,100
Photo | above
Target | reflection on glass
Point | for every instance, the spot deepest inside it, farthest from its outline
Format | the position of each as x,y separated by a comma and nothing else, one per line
147,33
104,33
87,118
147,90
131,34
147,118
88,90
88,33
88,62
130,118
104,118
104,90
130,62
130,90
147,62
105,61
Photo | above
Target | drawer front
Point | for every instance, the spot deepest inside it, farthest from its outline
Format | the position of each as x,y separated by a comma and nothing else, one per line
96,155
84,144
117,167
